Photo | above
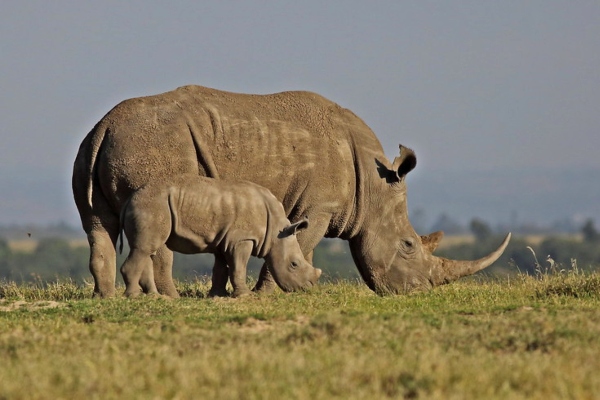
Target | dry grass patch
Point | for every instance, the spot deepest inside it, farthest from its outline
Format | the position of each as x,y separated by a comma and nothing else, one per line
517,339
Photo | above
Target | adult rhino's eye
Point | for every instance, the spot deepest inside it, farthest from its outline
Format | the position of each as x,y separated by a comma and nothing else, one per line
407,245
294,264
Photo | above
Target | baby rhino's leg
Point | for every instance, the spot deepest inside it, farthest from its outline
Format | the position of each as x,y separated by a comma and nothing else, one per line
147,281
238,261
147,225
137,273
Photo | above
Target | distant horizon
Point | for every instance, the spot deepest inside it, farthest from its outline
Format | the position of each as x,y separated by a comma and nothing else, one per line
34,232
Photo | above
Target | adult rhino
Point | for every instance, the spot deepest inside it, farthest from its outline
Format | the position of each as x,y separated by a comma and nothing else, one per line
319,159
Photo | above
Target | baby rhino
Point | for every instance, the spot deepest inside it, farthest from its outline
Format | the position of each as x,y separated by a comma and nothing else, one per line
232,220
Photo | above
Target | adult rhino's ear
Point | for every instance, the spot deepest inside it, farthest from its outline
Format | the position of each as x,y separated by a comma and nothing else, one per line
404,163
295,227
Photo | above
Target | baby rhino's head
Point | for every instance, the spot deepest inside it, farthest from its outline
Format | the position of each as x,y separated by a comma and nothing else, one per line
288,265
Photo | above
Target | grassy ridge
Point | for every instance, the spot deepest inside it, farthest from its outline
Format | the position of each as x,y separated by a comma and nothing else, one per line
530,338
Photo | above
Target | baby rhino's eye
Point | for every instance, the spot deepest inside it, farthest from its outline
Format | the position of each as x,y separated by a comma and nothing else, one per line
294,264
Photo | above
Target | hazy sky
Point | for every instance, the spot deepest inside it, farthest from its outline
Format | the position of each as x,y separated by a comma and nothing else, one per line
467,84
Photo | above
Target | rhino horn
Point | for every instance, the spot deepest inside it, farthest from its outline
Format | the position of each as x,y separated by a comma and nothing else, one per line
446,271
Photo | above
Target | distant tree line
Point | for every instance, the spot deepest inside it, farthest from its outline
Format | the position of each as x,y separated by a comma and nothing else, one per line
452,226
52,258
55,258
554,252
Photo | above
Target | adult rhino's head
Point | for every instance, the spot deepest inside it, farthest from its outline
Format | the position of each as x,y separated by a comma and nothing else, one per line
390,255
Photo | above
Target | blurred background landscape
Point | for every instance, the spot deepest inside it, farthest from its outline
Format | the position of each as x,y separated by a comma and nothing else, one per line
59,251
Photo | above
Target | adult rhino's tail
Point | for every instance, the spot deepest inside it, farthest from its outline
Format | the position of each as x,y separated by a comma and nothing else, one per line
92,144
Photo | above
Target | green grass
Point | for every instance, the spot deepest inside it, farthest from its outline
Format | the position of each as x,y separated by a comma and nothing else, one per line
523,338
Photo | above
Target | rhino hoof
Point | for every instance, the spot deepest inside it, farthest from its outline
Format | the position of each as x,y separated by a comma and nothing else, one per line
157,295
241,292
132,294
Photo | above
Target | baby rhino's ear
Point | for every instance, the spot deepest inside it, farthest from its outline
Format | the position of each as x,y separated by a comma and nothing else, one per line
295,227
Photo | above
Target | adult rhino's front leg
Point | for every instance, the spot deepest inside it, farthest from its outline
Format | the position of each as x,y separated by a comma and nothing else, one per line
308,239
266,283
162,263
220,275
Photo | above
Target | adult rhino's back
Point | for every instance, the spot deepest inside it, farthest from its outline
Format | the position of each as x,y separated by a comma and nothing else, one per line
299,145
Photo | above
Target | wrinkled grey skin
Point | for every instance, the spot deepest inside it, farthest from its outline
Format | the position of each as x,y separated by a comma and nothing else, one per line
232,220
317,158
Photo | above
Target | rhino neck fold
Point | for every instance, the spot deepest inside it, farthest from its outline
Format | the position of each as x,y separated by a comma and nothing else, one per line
355,216
367,273
263,244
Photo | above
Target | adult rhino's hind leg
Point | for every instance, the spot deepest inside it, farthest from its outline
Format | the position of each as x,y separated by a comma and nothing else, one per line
163,272
101,226
103,259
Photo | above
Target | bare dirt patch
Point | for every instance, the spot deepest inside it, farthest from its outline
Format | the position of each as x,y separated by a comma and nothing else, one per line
253,325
